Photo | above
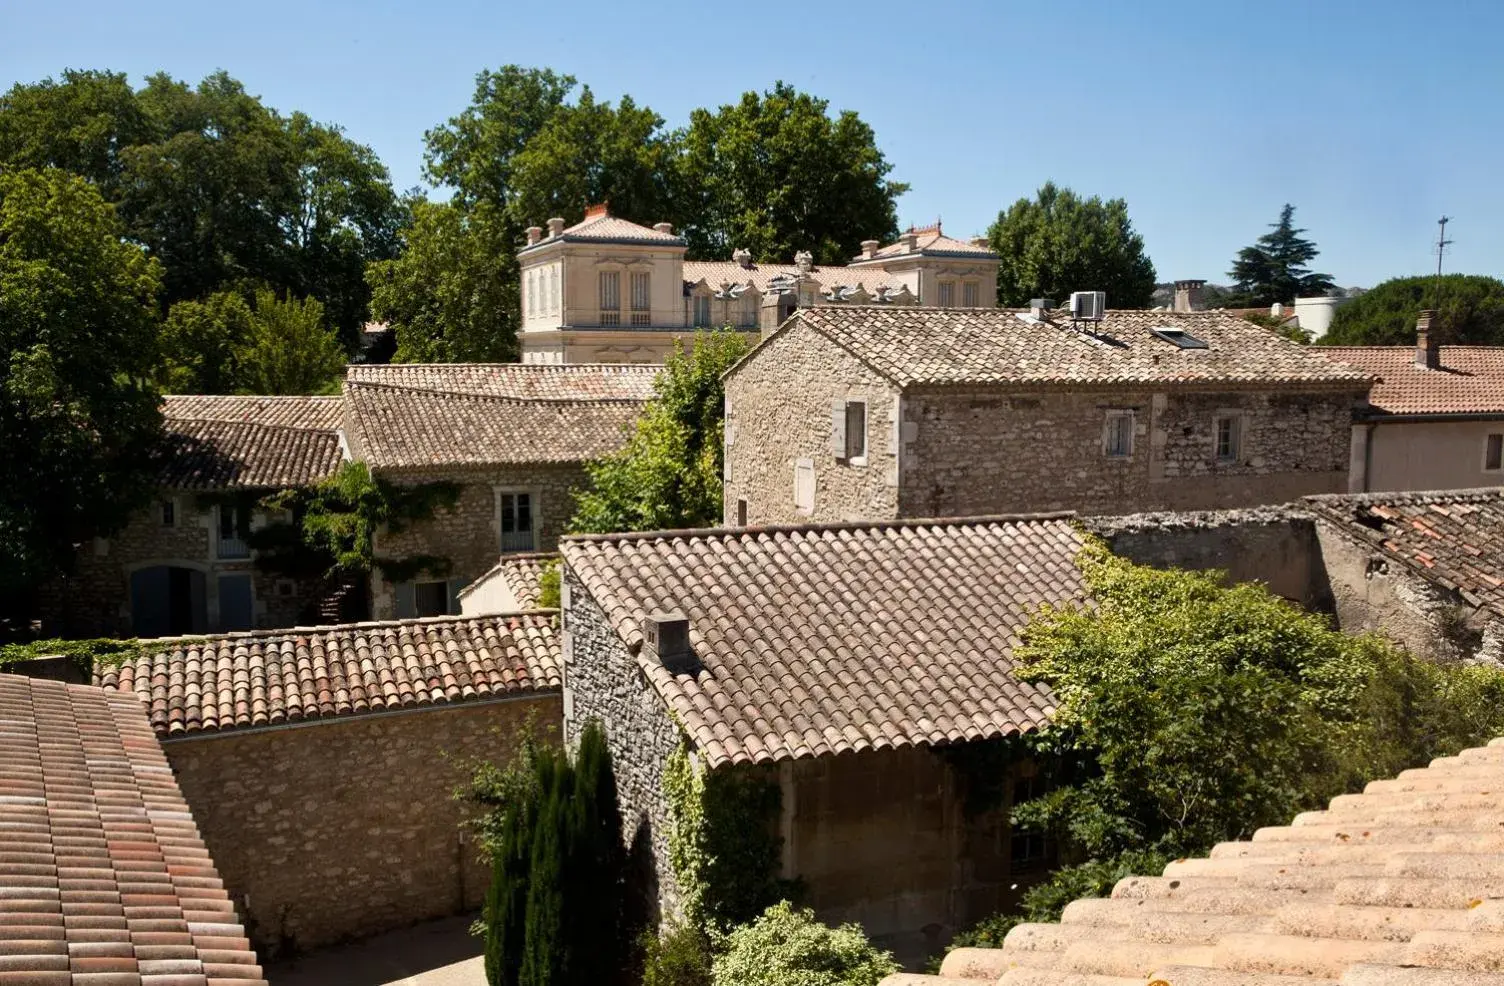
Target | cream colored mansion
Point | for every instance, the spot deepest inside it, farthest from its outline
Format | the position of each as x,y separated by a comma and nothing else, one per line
610,291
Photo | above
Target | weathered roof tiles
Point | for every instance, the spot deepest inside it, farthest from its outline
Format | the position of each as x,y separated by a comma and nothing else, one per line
1470,379
224,442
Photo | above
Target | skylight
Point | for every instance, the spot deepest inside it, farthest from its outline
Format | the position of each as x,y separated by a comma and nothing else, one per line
1179,337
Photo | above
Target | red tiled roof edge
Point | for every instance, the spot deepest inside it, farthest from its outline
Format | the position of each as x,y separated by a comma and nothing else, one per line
832,525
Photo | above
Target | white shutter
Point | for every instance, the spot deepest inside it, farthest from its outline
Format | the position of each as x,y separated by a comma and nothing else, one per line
838,429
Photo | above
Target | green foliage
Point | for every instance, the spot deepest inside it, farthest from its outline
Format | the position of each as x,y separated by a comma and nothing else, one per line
788,947
723,845
1058,242
288,350
219,187
452,295
546,948
681,955
1274,268
334,524
198,343
1471,307
593,866
549,586
1195,712
669,473
87,654
1281,327
775,173
78,418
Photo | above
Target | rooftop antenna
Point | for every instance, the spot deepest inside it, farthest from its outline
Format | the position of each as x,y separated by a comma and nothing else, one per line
1441,248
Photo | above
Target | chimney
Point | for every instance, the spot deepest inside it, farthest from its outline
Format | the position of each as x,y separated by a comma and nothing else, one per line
742,257
910,241
599,209
869,249
1427,344
534,234
555,227
665,637
1188,295
665,228
1040,307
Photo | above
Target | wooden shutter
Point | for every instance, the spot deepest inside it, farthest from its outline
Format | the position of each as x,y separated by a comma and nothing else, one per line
838,429
407,606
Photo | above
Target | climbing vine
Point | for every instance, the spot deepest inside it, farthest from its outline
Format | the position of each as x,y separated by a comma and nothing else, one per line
88,654
723,844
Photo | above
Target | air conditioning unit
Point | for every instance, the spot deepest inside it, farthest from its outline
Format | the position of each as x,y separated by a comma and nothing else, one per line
1088,306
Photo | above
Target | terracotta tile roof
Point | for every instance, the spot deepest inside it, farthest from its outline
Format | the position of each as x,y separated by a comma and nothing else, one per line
1397,886
931,241
414,416
823,639
1469,381
605,228
718,272
276,677
1454,538
979,347
103,876
220,442
522,574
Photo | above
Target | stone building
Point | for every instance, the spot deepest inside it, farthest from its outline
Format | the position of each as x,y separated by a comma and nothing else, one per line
321,763
184,565
1435,419
607,290
864,412
838,662
515,440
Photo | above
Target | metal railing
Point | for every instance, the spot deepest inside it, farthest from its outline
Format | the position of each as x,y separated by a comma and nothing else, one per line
233,548
658,319
517,541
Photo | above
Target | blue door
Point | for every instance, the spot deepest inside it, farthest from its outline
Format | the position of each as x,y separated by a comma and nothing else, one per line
236,611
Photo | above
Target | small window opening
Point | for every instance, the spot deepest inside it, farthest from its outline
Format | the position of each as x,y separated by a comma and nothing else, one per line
1179,337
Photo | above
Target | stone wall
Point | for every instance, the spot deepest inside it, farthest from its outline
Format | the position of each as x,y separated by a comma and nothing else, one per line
778,411
881,838
469,533
989,452
95,600
347,828
603,682
1273,545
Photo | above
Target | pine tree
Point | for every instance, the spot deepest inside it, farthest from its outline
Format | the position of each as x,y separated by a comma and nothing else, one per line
546,948
1274,268
593,869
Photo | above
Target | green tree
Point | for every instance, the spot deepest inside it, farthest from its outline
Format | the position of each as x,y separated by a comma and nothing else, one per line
78,418
452,294
288,350
1058,243
785,946
1471,307
669,473
79,124
198,343
1274,268
593,866
547,949
775,173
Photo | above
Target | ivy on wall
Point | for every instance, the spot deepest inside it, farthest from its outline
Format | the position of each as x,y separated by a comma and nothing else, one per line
723,842
87,654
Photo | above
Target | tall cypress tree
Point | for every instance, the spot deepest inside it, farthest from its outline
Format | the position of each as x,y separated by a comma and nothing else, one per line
544,953
506,899
593,867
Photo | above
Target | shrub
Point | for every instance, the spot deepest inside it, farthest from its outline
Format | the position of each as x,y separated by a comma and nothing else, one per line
678,956
788,947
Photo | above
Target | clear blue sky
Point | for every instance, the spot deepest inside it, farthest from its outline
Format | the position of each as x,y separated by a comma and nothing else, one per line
1373,117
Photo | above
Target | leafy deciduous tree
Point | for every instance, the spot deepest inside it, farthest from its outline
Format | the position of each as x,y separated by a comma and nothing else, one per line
78,418
1274,269
198,344
669,473
1471,307
775,174
1058,242
289,350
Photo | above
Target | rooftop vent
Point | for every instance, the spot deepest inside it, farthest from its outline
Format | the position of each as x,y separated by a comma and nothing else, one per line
1088,306
665,636
1178,337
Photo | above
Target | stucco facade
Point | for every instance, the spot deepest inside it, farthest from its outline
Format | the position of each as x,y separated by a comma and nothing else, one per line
1402,454
1001,448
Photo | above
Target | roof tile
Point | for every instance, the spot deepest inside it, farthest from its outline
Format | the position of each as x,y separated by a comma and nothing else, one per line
1470,379
222,442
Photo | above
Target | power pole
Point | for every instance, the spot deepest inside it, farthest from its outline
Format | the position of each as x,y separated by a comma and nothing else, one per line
1441,248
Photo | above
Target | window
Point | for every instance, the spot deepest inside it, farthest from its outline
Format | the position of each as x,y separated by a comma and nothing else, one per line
1117,438
702,311
848,430
804,486
1179,338
553,291
1229,438
741,513
516,521
610,284
169,513
1027,850
642,299
971,294
431,598
1493,453
234,529
947,294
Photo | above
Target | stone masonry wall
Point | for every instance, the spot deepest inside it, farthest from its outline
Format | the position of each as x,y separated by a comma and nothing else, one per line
347,828
469,533
603,682
778,410
96,599
986,452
